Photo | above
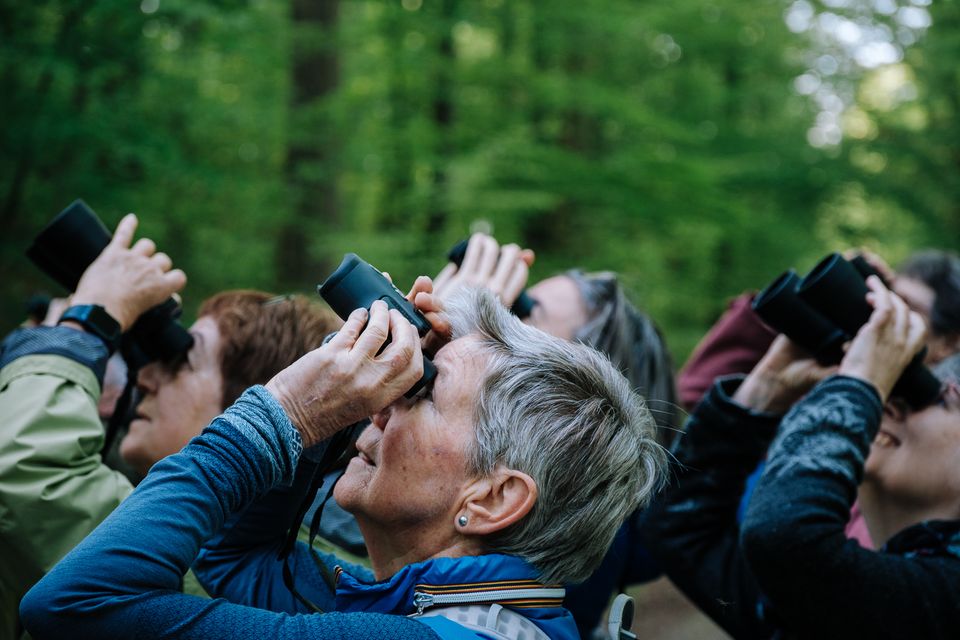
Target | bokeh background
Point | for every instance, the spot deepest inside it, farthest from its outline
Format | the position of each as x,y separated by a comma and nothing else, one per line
698,147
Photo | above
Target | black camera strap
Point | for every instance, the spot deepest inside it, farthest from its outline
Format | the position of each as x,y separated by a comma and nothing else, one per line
339,444
121,412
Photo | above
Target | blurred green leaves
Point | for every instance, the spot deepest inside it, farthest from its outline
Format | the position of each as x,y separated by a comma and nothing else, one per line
665,141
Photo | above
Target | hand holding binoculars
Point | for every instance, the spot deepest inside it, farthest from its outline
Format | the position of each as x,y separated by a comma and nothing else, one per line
68,245
826,308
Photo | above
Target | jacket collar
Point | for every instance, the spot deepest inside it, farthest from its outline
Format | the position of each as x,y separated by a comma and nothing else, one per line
931,538
445,575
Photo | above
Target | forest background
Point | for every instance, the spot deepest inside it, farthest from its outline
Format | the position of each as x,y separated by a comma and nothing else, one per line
697,147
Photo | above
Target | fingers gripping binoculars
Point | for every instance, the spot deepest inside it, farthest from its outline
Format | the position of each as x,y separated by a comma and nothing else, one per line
825,309
66,247
356,284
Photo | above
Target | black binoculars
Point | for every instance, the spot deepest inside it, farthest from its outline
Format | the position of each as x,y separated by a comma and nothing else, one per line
521,307
66,247
826,308
357,284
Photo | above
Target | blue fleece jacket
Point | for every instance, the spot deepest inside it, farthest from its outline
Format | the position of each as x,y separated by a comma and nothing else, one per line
122,581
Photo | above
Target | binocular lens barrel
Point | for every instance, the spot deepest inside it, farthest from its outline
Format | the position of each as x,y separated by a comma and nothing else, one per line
779,306
66,247
825,309
356,284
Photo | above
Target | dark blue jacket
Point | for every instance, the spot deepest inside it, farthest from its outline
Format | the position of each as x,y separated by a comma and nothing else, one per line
790,571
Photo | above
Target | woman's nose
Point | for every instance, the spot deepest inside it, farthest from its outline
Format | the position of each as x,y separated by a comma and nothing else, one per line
380,418
148,378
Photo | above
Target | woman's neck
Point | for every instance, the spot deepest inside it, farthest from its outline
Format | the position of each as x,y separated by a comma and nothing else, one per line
886,517
391,549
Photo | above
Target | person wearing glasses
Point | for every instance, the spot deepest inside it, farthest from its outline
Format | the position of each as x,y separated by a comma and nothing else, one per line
476,498
789,570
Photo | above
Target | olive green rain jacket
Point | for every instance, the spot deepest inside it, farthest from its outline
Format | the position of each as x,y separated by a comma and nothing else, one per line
54,487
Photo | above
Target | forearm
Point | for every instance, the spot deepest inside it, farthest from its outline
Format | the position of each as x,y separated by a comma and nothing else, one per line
250,544
691,528
152,538
816,579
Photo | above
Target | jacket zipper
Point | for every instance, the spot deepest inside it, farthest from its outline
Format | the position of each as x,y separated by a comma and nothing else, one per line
423,600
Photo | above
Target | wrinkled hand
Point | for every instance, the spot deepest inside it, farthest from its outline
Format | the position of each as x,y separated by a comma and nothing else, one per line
886,343
345,380
781,378
125,280
503,270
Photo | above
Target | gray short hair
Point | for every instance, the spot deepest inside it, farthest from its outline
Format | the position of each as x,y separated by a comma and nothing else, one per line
563,414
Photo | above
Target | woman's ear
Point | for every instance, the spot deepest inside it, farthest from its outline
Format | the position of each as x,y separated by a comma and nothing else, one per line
496,501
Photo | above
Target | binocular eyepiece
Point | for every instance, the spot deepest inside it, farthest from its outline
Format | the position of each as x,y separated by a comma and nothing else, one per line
66,247
356,284
826,308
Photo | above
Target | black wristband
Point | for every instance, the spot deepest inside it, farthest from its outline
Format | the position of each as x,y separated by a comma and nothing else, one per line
97,321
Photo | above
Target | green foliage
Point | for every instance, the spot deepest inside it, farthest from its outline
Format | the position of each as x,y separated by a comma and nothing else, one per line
664,141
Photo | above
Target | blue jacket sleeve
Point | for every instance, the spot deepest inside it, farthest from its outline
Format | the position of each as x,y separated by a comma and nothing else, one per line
79,346
241,562
122,581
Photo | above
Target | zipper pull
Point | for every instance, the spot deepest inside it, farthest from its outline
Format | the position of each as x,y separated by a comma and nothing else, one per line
422,601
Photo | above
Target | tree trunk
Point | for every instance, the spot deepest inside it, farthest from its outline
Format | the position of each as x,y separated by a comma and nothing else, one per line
311,147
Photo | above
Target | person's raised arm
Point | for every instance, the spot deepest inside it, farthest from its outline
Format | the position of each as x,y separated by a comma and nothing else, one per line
119,582
820,583
53,487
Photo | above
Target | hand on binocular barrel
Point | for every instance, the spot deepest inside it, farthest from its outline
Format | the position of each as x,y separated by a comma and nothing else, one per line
346,380
426,302
781,378
886,343
503,270
125,280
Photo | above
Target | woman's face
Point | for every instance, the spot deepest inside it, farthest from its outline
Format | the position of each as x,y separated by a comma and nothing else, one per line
412,461
560,309
915,458
176,405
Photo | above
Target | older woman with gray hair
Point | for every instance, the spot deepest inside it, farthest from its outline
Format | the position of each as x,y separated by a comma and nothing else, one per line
592,309
510,475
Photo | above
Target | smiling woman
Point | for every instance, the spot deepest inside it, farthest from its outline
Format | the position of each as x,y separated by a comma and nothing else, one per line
913,470
464,493
789,569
